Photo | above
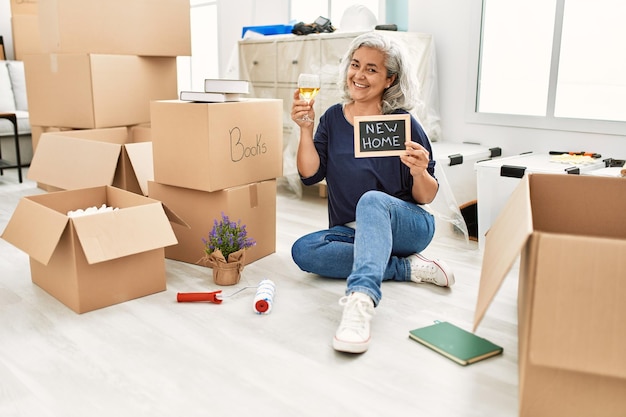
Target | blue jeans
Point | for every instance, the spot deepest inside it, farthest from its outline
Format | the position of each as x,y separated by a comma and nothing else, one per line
387,231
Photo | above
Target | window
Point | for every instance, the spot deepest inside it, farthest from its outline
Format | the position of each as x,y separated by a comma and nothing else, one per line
553,63
204,49
592,66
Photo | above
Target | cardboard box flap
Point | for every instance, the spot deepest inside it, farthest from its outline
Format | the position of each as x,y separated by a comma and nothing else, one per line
174,218
118,135
591,206
504,242
124,232
71,163
35,229
140,133
578,325
140,155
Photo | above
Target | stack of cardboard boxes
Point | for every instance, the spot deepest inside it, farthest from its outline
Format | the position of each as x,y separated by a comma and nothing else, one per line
211,158
101,65
90,80
90,93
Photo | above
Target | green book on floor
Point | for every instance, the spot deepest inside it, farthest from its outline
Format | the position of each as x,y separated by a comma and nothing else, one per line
457,344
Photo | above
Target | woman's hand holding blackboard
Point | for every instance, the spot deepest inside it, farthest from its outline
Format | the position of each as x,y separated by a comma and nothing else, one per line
416,158
424,185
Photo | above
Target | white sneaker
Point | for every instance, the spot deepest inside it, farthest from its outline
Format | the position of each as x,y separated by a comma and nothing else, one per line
353,333
432,271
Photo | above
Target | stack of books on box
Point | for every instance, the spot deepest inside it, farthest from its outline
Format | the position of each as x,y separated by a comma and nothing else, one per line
218,91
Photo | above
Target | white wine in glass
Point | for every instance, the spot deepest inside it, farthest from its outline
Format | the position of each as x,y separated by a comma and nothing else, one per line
309,85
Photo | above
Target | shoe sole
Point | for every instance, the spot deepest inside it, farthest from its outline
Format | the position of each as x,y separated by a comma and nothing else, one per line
350,347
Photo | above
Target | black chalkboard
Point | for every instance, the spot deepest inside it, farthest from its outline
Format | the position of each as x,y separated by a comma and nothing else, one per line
381,135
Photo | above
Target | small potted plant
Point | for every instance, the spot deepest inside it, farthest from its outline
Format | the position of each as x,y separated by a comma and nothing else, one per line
225,250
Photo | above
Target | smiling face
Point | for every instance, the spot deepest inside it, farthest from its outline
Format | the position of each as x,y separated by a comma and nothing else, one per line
367,75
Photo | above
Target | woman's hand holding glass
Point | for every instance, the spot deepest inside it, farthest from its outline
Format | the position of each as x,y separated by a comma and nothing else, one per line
308,87
300,108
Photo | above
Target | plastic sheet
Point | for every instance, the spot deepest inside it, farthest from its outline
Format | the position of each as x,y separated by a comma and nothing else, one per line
449,222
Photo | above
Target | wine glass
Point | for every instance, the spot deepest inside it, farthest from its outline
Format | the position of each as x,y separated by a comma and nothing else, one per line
309,85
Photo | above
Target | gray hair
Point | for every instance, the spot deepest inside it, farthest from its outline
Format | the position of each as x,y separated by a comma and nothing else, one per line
402,94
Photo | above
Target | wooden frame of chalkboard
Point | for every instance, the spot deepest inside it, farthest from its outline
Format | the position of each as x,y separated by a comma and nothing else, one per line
381,135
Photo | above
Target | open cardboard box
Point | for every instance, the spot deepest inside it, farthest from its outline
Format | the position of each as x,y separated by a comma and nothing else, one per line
571,234
254,204
74,159
214,146
96,260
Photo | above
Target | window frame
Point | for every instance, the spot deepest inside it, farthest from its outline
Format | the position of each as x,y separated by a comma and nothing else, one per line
549,121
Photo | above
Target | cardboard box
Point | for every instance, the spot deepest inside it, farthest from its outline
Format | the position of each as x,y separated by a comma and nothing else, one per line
497,178
87,91
137,27
136,133
571,234
97,260
22,7
75,159
253,204
214,146
37,131
26,38
141,133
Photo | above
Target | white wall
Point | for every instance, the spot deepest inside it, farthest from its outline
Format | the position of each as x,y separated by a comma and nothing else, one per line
450,23
233,15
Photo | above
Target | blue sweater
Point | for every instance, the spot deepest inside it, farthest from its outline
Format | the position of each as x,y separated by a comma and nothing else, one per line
347,177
